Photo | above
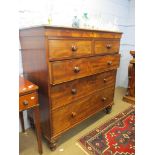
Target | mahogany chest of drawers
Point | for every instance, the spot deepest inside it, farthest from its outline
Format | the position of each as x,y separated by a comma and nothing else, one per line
75,70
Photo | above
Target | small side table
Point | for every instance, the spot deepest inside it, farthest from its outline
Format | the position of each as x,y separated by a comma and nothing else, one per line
130,94
28,99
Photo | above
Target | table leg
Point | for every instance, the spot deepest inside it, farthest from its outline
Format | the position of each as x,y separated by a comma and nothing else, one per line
38,128
22,120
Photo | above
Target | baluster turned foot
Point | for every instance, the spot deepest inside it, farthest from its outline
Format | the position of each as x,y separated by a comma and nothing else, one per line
53,145
108,109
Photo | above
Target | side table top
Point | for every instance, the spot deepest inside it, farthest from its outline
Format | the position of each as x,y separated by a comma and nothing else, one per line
26,86
133,54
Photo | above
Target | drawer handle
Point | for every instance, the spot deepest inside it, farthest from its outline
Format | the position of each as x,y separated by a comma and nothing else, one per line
108,46
76,69
104,99
74,48
109,63
25,102
74,91
74,114
105,80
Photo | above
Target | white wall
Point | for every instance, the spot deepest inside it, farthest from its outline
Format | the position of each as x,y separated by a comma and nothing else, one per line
116,14
127,44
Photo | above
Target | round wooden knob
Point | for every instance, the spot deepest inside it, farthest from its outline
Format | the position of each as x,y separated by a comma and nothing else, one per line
105,80
108,46
76,69
25,102
74,91
74,48
104,99
74,114
109,63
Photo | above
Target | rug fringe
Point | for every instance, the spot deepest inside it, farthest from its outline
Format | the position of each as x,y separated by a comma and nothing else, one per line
77,144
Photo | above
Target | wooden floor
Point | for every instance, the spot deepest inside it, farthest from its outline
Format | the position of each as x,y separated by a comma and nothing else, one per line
67,142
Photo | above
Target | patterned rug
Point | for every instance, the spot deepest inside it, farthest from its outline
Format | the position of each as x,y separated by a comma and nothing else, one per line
115,137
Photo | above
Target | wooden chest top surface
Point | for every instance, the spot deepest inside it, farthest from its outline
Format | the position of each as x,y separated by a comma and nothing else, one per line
56,31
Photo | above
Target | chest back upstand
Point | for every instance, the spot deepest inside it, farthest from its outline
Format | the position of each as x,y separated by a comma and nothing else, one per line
75,70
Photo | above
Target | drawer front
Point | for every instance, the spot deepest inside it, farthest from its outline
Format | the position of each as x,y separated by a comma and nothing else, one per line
65,93
28,101
69,115
63,71
69,48
107,46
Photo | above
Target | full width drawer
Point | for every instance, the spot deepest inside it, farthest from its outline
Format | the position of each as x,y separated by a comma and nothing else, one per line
67,92
28,101
71,114
62,71
65,48
107,46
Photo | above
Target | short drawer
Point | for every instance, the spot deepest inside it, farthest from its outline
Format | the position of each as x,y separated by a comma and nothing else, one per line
65,93
27,101
107,46
63,71
77,111
69,48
